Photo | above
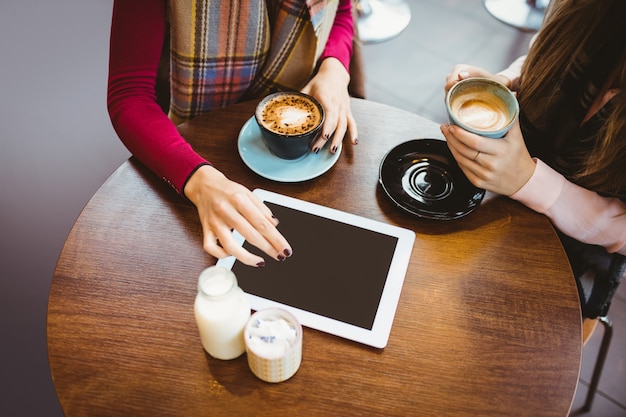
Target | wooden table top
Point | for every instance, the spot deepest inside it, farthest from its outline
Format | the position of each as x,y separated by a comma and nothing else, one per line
488,322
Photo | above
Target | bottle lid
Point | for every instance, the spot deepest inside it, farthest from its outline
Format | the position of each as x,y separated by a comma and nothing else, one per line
216,281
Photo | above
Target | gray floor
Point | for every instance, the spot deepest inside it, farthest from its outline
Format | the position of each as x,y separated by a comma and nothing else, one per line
57,147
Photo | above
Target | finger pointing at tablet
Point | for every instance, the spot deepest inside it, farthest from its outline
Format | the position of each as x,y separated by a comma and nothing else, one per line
224,205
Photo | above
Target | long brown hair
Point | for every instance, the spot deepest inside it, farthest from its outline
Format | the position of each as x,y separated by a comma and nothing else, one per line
573,30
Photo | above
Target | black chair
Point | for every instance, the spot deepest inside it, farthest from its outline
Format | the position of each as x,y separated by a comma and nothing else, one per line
589,325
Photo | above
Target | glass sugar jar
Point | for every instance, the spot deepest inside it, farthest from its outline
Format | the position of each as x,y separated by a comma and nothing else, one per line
221,310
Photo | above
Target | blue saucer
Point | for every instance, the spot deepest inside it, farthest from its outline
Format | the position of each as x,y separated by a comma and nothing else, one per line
259,159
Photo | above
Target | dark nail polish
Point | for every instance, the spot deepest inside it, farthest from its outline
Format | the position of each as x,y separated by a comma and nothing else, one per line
316,150
281,258
260,264
333,149
287,253
327,136
356,141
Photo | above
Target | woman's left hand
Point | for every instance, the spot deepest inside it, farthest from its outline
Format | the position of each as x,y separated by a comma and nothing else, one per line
330,87
502,166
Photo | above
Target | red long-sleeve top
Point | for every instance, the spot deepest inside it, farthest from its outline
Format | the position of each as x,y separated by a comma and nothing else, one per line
137,35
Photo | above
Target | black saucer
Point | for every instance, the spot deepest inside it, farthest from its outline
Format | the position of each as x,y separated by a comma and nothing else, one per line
422,177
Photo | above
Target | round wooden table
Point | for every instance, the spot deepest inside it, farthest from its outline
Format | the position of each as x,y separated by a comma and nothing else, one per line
488,322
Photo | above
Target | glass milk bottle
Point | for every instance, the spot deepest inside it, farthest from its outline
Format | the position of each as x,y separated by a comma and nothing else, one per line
222,311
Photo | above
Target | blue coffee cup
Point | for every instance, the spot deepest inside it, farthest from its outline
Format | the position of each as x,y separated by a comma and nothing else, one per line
482,106
290,122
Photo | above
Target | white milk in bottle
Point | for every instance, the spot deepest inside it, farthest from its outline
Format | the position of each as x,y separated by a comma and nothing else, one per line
222,311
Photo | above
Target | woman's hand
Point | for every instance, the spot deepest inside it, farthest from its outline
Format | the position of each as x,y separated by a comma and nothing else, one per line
462,71
502,166
330,87
224,205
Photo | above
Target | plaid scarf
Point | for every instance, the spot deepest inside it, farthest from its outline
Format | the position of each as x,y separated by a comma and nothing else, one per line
223,52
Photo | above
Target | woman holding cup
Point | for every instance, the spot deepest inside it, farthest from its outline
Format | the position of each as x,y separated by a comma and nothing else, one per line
566,157
223,53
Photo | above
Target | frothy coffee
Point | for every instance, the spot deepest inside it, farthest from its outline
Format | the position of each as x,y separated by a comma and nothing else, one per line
481,111
289,114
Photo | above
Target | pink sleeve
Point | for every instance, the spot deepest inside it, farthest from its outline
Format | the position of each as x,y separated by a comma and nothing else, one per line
513,72
137,34
574,210
339,44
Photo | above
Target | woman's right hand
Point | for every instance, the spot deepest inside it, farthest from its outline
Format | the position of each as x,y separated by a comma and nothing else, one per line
224,205
462,71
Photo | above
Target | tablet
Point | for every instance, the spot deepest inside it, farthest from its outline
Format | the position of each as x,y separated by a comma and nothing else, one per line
345,275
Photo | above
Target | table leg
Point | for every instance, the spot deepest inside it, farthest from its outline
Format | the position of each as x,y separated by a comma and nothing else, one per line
381,20
525,15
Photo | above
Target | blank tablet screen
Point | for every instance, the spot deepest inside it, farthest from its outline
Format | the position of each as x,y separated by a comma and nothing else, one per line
337,270
345,276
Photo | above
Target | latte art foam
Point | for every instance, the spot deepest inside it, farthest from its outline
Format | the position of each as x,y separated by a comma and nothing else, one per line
481,115
290,115
481,110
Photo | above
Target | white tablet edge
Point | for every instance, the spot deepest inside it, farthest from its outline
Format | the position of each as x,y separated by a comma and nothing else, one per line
378,336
